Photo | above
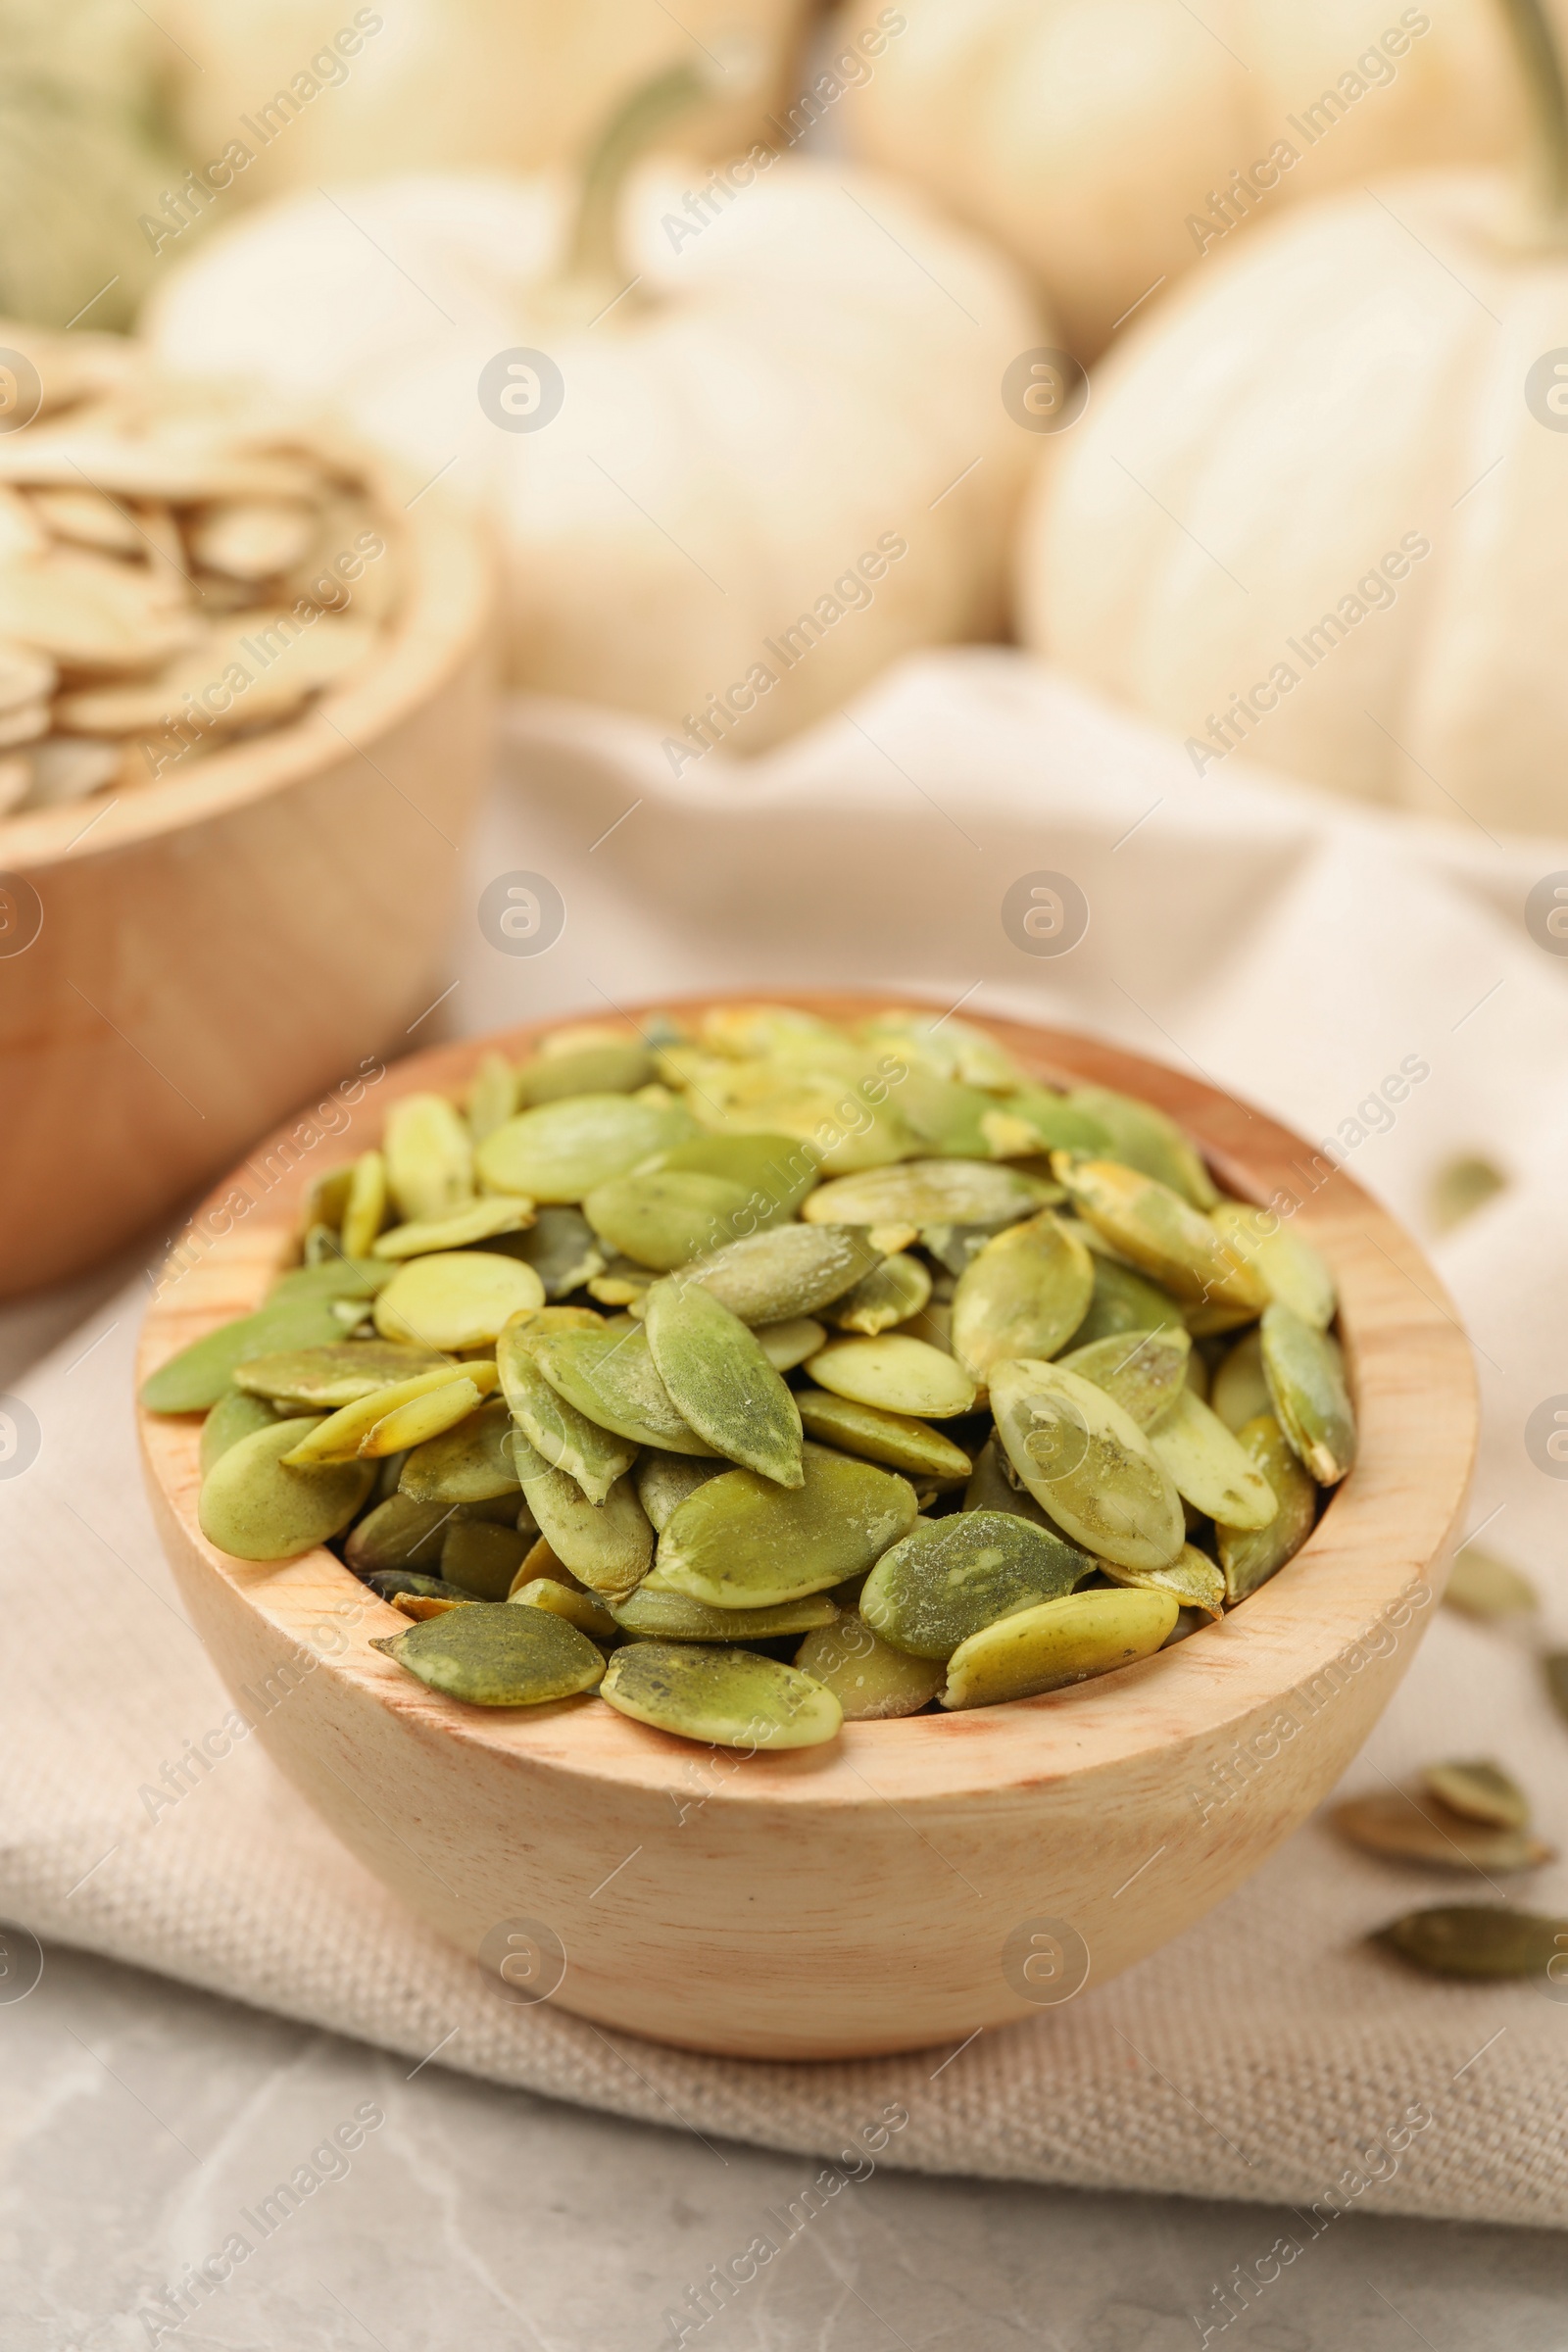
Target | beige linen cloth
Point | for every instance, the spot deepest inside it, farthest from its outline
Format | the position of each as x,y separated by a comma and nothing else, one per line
1292,949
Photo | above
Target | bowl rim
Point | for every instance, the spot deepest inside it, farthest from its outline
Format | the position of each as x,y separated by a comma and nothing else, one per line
445,593
1376,1560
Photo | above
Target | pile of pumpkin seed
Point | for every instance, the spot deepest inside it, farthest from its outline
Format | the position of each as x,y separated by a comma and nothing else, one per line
774,1374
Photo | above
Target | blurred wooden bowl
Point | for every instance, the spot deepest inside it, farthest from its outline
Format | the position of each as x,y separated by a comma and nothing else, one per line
218,944
913,1881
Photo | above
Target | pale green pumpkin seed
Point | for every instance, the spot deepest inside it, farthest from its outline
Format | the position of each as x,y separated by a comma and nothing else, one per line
562,1150
927,1191
429,1158
419,1606
606,1065
849,1122
471,1463
743,1542
621,1283
1025,1293
194,1380
321,1380
1143,1370
1479,1940
1058,1643
665,1479
610,1377
333,1278
946,1117
607,1545
664,1616
790,1270
1088,1463
1249,1557
1461,1186
498,1657
872,1682
479,1221
581,1610
944,1045
1165,1237
1123,1300
399,1534
252,1505
1209,1467
1053,1122
890,1294
560,1247
1288,1267
1240,1393
1145,1138
723,1697
1423,1830
343,1435
1193,1579
1305,1375
1485,1587
560,1435
365,1212
665,1218
1480,1790
788,1344
482,1559
461,1299
420,1418
721,1382
899,1439
774,1171
234,1416
387,1584
949,1578
492,1096
540,1565
896,1374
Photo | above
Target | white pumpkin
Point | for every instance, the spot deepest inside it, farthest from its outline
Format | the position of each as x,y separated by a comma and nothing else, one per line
469,84
780,459
1316,513
1110,145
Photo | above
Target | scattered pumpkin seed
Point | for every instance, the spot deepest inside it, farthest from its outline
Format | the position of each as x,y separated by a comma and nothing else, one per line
255,1506
721,1382
1461,1186
498,1657
1407,1827
899,1439
666,1616
1481,1791
1025,1293
471,1463
234,1416
1194,1581
581,1610
1143,1370
612,1379
1057,1643
896,1374
562,1150
1483,1585
872,1682
927,1191
1306,1377
1554,1665
1482,1940
949,1577
1208,1466
1165,1237
429,1158
458,1299
607,1545
725,1697
1249,1557
478,1221
1088,1463
1240,1393
740,1542
365,1211
790,1270
665,1479
321,1380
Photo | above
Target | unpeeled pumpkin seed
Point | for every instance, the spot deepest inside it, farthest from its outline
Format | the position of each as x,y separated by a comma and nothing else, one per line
951,1578
872,1682
1025,1293
1481,1941
1058,1643
1249,1557
252,1505
895,1374
1143,1370
1088,1463
498,1657
1208,1467
1481,1791
899,1440
1306,1377
742,1542
721,1382
456,1299
725,1697
561,1150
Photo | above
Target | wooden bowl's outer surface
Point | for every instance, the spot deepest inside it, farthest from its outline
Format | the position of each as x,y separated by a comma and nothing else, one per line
859,1898
217,944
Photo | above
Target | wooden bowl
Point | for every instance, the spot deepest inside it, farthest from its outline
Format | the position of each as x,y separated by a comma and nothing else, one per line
216,945
915,1880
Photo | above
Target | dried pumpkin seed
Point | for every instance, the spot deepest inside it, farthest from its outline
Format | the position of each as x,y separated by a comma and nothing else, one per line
949,1578
345,1434
607,1545
664,1616
788,1344
725,1697
460,1298
1025,1293
896,1374
790,1270
1306,1377
333,1278
665,1479
603,1065
581,1610
1144,1138
740,1542
927,1191
387,1584
429,1158
1143,1370
492,1096
540,1564
194,1380
899,1439
1088,1463
399,1534
498,1657
1291,1269
945,1044
471,1463
561,1150
1238,1391
478,1221
1554,1665
890,1294
774,1171
721,1382
1123,1300
1165,1237
1209,1468
1194,1580
1480,1790
560,1435
421,1606
234,1416
610,1378
1058,1643
1485,1587
421,1418
560,1247
1408,1829
319,1380
665,1217
1052,1121
1479,1940
482,1559
872,1682
995,1486
1249,1557
255,1506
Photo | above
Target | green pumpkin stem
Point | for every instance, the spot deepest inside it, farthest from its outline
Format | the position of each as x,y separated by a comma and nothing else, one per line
593,252
1535,45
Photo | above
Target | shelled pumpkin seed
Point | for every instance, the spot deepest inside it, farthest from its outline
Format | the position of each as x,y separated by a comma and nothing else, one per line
873,1381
